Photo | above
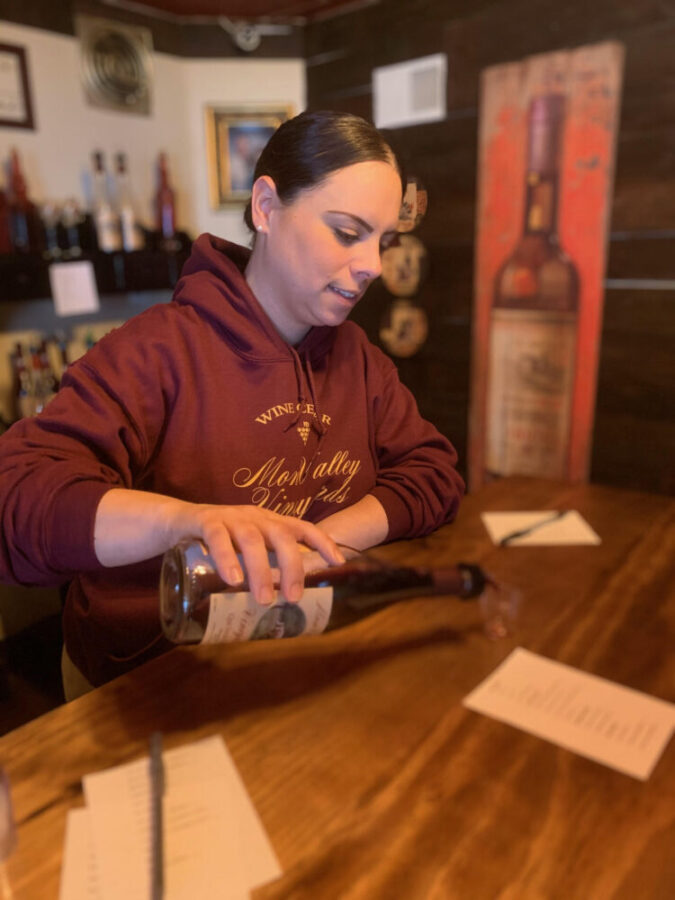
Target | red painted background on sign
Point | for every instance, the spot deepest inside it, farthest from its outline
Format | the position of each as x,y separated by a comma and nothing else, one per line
590,78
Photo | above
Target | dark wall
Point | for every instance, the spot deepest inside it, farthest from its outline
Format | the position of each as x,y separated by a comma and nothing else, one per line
634,437
169,34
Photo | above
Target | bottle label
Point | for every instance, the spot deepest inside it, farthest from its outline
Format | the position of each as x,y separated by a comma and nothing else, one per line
238,617
131,239
532,358
107,232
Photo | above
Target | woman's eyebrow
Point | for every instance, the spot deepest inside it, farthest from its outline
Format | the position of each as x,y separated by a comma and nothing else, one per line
358,219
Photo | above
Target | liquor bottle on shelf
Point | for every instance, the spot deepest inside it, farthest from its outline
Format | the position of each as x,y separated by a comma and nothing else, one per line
132,237
62,346
70,226
533,329
42,386
51,215
5,242
22,391
165,206
196,605
24,220
106,223
49,381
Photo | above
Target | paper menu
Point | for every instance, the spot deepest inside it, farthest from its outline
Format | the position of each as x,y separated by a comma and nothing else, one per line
596,718
214,843
569,528
79,875
73,286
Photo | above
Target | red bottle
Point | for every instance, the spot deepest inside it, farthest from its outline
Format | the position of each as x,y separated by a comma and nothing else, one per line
5,243
23,398
165,205
24,222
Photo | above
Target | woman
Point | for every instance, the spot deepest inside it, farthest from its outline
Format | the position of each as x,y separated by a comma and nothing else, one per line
246,412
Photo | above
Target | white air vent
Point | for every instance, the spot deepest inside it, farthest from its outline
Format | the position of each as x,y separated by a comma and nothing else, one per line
410,92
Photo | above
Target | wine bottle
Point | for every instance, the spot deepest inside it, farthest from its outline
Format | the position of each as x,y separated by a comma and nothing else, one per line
63,363
40,388
23,399
72,221
24,220
49,381
197,606
51,215
132,238
5,242
108,234
533,329
165,206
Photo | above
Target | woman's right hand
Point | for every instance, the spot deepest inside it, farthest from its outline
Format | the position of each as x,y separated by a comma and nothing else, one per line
252,533
132,526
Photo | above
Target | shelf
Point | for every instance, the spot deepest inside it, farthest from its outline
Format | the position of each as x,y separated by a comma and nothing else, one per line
27,277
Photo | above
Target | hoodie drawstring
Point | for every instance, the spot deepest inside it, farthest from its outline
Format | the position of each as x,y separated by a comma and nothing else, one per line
302,374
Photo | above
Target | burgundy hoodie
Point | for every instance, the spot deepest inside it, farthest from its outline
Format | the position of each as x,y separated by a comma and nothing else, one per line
203,400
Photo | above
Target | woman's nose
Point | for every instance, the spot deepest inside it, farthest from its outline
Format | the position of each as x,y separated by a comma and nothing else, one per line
368,263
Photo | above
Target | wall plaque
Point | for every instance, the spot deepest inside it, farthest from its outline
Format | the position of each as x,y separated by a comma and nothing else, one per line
116,65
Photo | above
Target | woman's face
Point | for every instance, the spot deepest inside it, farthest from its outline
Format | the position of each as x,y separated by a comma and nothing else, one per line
322,250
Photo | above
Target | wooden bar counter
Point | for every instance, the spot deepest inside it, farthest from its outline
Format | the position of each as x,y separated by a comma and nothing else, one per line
372,779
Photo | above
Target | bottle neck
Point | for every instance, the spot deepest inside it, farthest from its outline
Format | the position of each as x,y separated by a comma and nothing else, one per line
541,205
163,185
17,184
546,120
365,576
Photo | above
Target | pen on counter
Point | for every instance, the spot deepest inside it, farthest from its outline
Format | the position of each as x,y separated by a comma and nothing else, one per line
156,815
522,532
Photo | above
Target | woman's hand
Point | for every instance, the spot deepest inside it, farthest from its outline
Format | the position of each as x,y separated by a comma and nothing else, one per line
132,526
253,532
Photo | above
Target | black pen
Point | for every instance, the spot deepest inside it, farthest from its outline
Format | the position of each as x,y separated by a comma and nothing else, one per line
524,531
156,817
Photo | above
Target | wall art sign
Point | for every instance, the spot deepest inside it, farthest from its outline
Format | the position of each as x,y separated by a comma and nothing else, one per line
116,65
404,328
414,206
16,108
235,138
404,266
546,159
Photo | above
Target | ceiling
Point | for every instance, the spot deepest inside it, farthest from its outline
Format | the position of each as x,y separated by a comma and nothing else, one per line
249,10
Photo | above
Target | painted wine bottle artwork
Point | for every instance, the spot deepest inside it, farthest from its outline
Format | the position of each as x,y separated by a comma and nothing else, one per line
546,162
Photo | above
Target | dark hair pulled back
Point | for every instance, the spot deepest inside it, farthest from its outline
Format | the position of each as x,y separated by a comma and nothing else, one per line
306,149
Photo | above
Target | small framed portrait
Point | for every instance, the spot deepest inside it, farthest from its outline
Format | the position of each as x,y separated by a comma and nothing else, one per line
16,108
234,140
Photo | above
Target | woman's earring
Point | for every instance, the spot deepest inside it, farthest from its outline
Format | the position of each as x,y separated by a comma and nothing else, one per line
258,227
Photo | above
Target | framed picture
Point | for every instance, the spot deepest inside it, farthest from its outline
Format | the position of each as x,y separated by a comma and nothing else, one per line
16,108
234,141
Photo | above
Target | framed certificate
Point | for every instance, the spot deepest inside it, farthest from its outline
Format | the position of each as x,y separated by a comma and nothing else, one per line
16,109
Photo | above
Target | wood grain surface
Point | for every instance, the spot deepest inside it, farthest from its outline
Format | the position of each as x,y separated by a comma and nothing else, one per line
372,779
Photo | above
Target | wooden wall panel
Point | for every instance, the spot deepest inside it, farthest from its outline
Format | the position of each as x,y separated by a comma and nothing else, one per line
635,415
634,436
